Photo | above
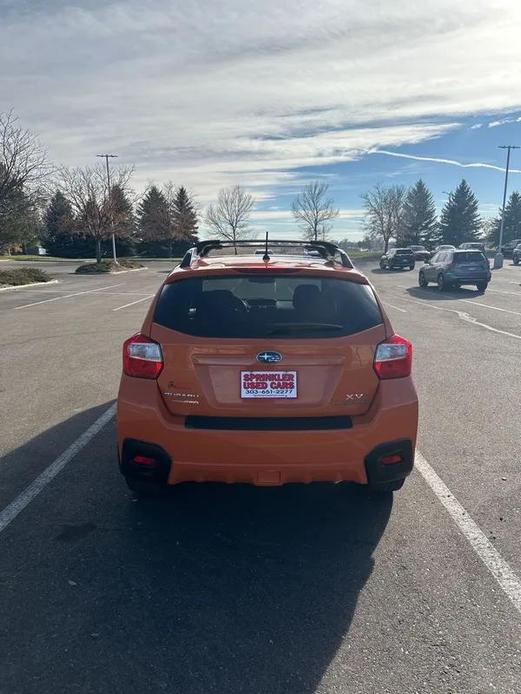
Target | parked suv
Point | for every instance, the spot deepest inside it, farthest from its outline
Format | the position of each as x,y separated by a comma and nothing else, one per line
516,255
507,249
455,268
473,246
266,370
397,259
420,252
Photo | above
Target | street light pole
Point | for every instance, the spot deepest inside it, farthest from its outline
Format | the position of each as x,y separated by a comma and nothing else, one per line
107,157
498,259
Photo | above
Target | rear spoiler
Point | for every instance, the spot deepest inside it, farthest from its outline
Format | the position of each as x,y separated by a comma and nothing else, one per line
329,252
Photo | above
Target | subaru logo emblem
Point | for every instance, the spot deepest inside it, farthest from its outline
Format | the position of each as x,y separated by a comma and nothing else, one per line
269,357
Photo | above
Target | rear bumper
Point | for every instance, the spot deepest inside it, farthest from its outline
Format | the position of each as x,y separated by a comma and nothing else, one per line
468,279
268,458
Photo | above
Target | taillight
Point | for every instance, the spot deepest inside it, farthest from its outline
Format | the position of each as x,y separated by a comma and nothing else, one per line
393,358
142,357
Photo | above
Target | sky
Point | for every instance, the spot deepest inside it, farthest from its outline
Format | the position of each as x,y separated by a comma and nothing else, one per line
272,95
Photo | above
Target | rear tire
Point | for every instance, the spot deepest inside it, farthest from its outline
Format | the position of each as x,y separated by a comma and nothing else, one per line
422,281
482,286
411,267
515,260
144,488
442,286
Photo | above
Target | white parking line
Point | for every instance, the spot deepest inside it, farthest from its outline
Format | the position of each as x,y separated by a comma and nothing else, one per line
386,303
485,550
466,317
133,302
498,291
37,485
478,303
67,296
57,291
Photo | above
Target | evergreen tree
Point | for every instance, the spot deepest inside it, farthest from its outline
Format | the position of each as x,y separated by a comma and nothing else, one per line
153,216
124,224
459,220
184,215
59,237
512,226
122,211
419,226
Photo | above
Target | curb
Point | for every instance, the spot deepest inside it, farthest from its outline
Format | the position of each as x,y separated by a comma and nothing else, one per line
33,284
121,272
104,274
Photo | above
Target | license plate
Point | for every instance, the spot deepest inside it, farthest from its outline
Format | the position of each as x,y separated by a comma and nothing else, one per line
268,384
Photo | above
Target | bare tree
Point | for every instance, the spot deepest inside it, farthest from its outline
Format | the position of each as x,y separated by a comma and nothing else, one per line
23,162
228,218
314,211
93,205
23,169
384,212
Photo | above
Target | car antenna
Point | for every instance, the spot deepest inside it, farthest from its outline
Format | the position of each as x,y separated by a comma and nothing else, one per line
266,256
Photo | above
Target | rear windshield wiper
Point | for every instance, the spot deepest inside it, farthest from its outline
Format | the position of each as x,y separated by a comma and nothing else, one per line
305,327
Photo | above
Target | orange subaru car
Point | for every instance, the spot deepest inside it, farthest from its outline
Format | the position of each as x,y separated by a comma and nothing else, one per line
266,365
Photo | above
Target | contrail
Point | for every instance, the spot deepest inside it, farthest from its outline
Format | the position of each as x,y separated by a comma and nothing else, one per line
453,162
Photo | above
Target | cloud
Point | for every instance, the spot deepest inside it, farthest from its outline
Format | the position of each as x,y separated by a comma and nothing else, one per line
438,160
503,121
211,93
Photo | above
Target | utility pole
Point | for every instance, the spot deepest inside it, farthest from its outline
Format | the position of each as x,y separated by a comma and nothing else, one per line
107,157
498,259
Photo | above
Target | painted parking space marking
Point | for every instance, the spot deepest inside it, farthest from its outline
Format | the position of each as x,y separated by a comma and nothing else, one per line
132,303
489,555
397,308
67,296
496,308
23,500
57,291
465,317
498,291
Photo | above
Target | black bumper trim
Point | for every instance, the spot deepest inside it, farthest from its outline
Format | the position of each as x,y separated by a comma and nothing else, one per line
158,472
268,423
378,473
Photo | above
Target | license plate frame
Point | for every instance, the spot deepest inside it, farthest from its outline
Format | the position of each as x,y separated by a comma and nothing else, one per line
265,385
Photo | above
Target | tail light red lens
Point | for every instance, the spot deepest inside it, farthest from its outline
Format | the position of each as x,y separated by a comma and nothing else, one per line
142,357
393,358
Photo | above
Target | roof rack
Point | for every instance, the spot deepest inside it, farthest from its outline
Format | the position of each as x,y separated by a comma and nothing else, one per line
328,251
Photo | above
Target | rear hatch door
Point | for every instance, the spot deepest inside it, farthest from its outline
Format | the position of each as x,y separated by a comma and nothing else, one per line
267,345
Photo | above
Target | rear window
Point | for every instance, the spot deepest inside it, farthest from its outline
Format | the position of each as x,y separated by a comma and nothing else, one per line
259,306
404,251
468,257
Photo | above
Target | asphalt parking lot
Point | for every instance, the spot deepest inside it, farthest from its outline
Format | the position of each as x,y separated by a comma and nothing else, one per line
291,590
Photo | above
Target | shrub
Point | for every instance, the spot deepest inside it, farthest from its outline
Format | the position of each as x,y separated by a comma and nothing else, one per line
23,275
107,266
